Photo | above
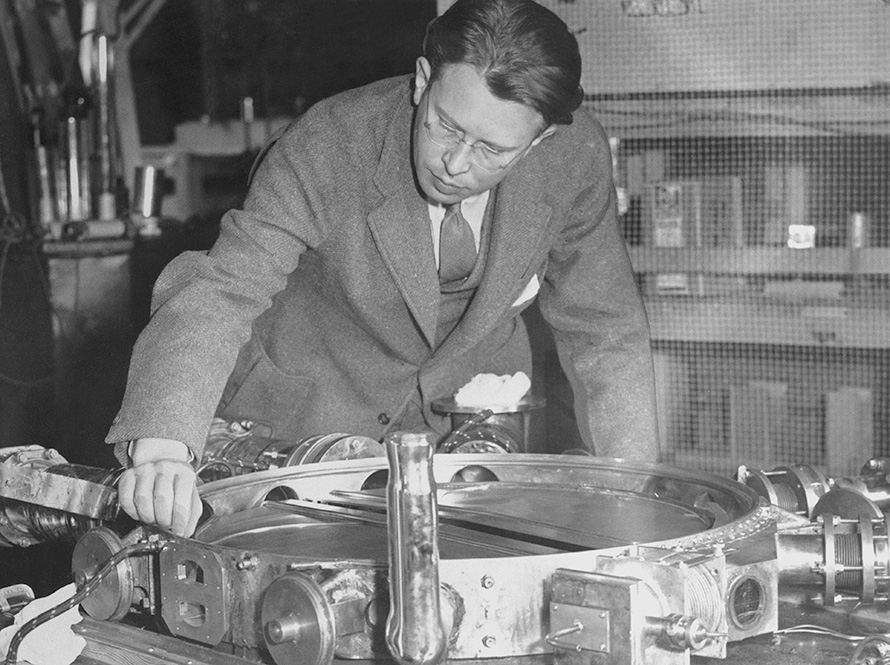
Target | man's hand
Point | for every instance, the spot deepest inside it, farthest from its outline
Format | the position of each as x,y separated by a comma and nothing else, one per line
161,486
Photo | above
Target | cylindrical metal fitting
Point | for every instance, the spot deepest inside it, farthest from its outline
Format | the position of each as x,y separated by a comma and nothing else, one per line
414,631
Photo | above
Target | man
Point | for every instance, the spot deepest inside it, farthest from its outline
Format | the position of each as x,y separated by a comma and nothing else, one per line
348,311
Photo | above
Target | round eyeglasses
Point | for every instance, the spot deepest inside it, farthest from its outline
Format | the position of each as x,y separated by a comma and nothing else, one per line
482,155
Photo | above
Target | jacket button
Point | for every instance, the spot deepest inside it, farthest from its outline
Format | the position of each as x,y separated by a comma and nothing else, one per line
383,419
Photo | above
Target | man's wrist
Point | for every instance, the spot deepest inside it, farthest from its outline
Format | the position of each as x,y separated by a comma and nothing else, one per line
141,451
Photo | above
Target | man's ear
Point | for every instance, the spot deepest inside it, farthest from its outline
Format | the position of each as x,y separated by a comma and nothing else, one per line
550,131
422,74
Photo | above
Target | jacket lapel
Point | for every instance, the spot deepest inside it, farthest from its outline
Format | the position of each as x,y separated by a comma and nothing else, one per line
518,228
399,222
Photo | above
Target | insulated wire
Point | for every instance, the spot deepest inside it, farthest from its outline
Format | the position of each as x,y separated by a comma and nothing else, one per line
817,630
90,586
876,640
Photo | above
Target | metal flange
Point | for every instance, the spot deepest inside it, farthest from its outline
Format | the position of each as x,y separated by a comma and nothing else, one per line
298,621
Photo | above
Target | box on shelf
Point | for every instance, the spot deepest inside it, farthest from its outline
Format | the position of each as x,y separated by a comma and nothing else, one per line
785,202
705,212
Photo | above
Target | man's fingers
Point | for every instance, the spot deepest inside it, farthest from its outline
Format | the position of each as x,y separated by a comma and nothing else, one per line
183,494
162,492
164,497
143,494
125,487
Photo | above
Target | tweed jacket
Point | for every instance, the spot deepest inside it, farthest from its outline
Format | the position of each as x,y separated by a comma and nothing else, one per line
316,309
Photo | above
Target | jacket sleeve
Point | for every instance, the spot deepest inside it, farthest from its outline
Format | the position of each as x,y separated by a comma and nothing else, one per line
204,303
593,305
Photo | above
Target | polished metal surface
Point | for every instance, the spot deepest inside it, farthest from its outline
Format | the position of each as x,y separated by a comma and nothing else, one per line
501,537
415,634
639,563
43,498
298,623
112,600
530,504
42,476
243,446
488,428
796,488
566,518
527,403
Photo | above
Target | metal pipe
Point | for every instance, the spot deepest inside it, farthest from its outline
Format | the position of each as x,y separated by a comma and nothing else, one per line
801,557
414,631
75,204
104,60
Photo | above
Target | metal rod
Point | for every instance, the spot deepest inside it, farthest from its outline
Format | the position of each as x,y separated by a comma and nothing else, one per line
75,206
103,93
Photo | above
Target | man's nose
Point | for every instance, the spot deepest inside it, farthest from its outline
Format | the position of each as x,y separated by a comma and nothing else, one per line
458,159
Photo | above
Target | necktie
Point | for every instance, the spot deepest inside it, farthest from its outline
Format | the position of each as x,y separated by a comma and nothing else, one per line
457,248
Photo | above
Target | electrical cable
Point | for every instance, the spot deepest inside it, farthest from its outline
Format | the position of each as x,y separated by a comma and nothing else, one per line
864,642
817,630
89,586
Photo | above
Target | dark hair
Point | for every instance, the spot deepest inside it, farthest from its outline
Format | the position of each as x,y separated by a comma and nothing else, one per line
523,51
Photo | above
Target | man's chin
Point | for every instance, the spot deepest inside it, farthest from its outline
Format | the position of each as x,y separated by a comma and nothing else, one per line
433,195
437,192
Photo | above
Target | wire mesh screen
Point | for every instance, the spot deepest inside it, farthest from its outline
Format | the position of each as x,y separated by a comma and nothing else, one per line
751,153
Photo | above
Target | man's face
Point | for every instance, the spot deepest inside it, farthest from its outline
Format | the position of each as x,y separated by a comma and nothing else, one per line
459,101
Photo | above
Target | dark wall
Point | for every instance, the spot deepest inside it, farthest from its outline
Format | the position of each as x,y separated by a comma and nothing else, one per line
26,344
201,58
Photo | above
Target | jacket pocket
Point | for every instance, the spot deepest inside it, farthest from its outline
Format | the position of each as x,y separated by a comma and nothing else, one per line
257,390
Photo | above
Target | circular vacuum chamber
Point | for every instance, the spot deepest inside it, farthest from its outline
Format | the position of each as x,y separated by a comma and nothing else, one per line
506,523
